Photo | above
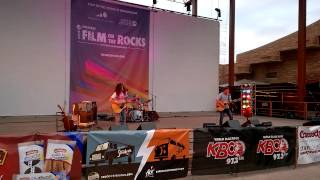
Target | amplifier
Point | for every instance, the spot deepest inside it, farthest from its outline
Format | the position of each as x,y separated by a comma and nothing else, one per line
86,111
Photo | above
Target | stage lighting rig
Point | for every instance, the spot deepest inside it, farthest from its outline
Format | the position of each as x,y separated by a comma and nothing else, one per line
218,13
187,3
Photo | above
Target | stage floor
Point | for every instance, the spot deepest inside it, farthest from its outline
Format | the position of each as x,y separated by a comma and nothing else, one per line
47,124
20,125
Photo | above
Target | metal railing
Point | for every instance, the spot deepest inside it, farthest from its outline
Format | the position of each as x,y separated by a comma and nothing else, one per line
289,109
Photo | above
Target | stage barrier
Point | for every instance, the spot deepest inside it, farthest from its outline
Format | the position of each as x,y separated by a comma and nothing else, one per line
41,156
160,154
156,154
308,144
224,150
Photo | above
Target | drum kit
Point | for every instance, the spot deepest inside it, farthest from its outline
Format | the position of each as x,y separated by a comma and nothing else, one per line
137,111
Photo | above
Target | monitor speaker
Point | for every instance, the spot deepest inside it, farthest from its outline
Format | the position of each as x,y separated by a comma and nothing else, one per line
311,123
118,127
209,125
232,124
147,126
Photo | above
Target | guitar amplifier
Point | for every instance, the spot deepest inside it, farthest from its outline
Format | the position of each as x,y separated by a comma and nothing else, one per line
86,111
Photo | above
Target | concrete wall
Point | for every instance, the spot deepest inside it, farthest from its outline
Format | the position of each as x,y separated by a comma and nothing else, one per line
35,59
185,63
33,56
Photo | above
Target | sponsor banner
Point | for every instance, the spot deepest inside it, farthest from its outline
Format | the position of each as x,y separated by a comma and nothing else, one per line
226,150
220,150
275,147
109,44
24,156
159,154
309,144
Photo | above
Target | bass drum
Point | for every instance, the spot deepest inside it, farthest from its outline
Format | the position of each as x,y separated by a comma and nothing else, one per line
135,115
150,116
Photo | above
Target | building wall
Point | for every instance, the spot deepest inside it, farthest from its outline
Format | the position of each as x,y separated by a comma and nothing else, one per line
286,69
313,65
279,57
270,51
223,73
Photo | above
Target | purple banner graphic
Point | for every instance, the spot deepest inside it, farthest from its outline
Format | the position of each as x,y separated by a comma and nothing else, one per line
109,44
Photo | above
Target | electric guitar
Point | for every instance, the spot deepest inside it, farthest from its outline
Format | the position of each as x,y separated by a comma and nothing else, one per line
220,105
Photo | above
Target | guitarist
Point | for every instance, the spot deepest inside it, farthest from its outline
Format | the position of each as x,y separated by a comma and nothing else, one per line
119,98
223,100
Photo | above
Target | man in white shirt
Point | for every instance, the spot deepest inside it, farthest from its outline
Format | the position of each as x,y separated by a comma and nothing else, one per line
224,99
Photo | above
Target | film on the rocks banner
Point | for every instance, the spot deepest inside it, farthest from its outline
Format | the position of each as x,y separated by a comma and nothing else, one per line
109,44
309,144
154,154
226,150
41,156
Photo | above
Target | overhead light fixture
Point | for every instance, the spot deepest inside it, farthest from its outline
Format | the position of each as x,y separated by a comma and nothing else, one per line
218,12
154,2
187,3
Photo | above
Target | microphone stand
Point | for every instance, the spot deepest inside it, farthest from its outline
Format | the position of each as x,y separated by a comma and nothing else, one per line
153,100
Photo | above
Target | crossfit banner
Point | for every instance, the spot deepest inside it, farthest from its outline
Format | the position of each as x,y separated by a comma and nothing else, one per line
109,44
225,150
309,144
155,154
47,157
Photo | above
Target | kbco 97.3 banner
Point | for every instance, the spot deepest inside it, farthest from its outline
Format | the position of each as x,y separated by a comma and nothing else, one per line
225,150
109,44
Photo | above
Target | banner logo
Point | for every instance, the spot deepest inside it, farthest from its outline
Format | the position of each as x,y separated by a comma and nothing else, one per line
273,145
150,172
311,134
93,176
3,156
109,151
102,15
231,150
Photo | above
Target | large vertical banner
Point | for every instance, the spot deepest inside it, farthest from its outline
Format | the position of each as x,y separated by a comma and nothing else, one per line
109,44
154,154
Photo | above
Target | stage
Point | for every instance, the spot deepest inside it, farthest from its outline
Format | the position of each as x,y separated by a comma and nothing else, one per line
19,125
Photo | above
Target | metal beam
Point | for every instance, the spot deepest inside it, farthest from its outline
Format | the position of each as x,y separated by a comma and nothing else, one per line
194,8
301,56
231,42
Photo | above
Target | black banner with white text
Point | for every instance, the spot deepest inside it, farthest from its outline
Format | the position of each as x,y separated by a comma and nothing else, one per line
226,150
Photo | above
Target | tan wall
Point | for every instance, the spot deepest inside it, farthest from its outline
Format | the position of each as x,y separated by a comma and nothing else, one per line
313,65
223,73
286,70
271,60
271,51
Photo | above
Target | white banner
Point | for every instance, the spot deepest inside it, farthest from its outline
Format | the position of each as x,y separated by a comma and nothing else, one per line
309,144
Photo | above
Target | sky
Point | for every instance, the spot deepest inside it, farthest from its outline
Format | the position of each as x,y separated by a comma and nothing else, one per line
258,22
